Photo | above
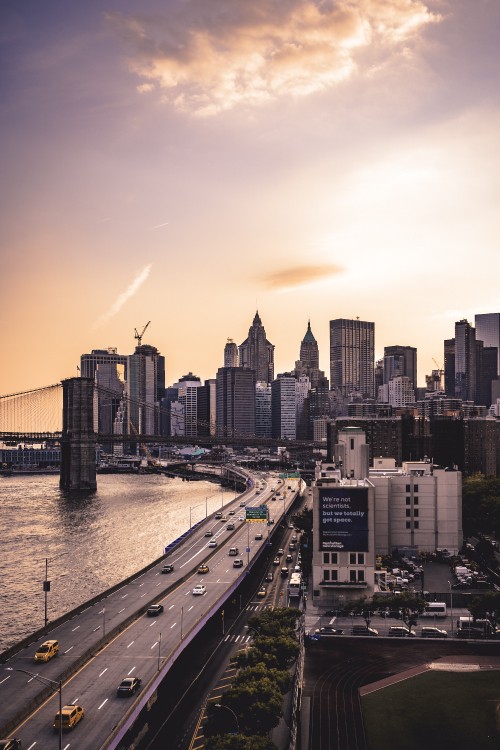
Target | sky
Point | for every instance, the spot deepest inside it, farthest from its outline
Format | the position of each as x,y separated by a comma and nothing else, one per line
188,162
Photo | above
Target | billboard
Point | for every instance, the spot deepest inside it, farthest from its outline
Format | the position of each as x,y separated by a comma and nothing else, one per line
257,513
343,519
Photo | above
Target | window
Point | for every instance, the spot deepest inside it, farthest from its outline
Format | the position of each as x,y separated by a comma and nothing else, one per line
415,501
361,575
352,576
335,575
352,444
408,488
326,558
361,558
408,500
407,524
415,525
326,575
352,558
415,513
415,488
408,512
335,558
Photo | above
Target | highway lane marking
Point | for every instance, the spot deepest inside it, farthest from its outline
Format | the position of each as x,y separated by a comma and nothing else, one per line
154,644
191,607
68,649
32,745
173,626
141,584
102,704
66,746
124,596
104,670
130,644
159,584
141,596
101,611
96,629
75,700
5,678
121,610
75,628
153,623
172,606
130,671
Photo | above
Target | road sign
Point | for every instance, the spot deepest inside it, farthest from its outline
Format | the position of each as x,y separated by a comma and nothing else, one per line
257,513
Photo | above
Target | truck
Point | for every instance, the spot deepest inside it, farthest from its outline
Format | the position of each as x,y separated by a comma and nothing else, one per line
468,627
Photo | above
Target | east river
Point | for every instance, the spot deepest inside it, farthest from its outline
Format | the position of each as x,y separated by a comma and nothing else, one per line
91,542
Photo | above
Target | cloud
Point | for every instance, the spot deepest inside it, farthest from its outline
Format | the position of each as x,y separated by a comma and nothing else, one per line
298,276
209,57
124,296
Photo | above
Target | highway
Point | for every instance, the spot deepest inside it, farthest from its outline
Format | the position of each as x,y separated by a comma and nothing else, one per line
147,646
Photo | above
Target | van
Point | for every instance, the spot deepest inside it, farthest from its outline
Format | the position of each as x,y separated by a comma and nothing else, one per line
71,715
233,551
47,650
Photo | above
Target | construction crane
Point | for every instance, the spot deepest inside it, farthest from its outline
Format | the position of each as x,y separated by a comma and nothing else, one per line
138,335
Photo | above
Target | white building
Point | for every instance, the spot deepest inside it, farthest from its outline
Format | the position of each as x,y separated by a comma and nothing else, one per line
401,392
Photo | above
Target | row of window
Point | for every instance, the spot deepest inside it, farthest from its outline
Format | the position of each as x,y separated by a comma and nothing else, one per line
415,524
415,488
355,558
415,500
354,575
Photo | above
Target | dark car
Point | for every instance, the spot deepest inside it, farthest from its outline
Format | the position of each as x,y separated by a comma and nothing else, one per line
167,569
10,744
208,533
363,630
154,610
129,686
328,630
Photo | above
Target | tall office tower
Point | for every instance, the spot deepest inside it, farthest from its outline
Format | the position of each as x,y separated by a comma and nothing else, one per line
309,351
352,358
449,367
465,361
302,391
109,372
263,410
488,331
283,407
379,376
486,372
400,360
145,388
257,353
231,354
235,408
188,387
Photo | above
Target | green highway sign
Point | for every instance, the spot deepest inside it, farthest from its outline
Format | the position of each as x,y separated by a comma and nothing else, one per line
257,513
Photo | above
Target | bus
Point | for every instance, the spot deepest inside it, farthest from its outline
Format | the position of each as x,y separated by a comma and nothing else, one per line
434,609
295,585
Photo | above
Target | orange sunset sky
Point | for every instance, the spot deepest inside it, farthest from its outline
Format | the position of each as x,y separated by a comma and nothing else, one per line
187,162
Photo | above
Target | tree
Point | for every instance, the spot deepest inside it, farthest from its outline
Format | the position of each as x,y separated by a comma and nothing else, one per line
239,742
407,604
487,606
481,504
256,704
280,677
282,620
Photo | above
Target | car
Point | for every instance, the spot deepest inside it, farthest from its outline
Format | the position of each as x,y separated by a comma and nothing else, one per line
270,575
68,717
209,533
167,569
280,552
203,568
258,537
154,610
401,631
261,593
10,744
284,572
47,650
292,546
294,537
233,551
128,686
432,632
241,518
231,513
237,563
218,516
329,630
230,527
363,630
212,543
289,558
270,522
242,504
223,519
199,589
276,561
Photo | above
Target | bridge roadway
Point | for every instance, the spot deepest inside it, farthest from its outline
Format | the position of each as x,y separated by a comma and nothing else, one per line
147,646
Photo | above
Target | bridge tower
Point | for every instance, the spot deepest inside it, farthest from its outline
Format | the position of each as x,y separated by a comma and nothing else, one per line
78,441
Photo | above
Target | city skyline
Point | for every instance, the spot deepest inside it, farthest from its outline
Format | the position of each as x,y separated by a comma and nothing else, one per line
188,164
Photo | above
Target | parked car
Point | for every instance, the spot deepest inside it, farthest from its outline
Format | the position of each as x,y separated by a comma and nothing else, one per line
167,569
363,630
401,631
154,610
69,717
199,589
47,650
329,630
203,568
432,632
129,686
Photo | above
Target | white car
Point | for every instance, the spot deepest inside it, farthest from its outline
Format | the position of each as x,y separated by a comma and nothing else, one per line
212,543
199,589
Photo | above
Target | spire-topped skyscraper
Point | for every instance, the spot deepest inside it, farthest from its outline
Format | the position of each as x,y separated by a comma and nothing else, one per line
309,352
257,353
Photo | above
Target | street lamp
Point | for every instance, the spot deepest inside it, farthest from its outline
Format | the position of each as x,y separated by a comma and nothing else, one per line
219,705
451,607
46,582
55,685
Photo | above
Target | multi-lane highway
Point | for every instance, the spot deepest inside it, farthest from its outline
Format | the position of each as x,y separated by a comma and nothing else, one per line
146,646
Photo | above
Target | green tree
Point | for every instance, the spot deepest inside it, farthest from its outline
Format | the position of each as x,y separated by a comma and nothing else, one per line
487,606
239,742
481,504
275,621
408,604
257,705
280,677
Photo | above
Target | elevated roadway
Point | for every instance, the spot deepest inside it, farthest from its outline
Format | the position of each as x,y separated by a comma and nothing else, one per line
91,664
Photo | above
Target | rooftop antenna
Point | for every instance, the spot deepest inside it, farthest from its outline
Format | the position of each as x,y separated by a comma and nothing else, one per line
138,335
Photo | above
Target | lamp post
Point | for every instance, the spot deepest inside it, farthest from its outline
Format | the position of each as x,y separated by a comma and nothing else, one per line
46,584
55,685
219,705
451,606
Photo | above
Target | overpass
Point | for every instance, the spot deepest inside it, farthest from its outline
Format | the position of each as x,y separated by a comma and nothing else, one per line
109,638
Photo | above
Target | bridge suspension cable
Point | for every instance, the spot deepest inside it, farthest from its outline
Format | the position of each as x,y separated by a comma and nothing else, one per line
36,411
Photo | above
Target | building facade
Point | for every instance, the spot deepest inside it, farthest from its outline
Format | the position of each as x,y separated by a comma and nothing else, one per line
257,353
352,357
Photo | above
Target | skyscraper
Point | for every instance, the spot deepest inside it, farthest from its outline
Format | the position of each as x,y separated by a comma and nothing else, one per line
235,401
352,356
465,361
309,351
108,369
400,360
257,353
283,407
488,331
145,387
231,354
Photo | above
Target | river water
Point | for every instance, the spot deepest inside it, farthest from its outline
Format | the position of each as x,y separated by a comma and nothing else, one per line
92,542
